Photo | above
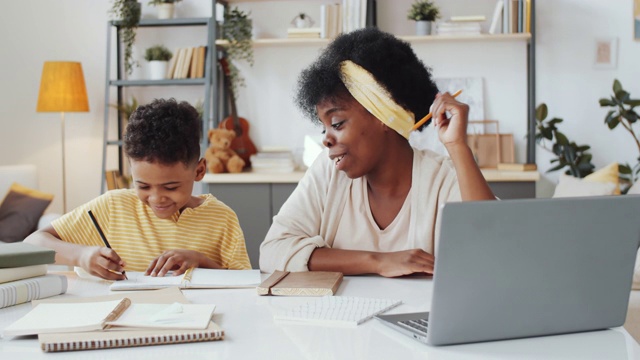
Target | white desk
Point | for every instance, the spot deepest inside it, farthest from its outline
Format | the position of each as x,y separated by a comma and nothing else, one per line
251,333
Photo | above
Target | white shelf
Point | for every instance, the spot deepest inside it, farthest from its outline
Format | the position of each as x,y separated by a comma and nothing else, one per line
411,39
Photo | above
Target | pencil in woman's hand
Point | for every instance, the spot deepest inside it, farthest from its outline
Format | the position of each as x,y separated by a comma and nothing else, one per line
429,115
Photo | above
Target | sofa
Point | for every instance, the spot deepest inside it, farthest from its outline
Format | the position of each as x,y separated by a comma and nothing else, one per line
22,205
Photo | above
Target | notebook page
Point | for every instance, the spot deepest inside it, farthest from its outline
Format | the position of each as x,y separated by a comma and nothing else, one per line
165,316
138,281
338,310
58,318
220,278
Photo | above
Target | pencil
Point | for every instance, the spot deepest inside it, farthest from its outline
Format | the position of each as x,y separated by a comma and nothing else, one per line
104,238
429,115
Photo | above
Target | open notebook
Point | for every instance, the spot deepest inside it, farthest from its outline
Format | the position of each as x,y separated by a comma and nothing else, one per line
113,338
196,278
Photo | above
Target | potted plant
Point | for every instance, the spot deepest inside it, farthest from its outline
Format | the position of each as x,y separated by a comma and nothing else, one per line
128,14
302,20
166,8
237,29
158,57
424,13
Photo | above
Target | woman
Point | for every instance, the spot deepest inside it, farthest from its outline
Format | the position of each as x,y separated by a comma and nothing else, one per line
372,205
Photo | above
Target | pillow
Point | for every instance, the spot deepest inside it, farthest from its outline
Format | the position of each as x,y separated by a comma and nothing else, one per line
608,173
20,211
569,186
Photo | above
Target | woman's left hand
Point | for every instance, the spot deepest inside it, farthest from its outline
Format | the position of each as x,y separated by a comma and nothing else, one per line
450,117
177,260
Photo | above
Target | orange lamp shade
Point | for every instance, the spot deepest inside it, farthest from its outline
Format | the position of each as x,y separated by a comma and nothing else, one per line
62,88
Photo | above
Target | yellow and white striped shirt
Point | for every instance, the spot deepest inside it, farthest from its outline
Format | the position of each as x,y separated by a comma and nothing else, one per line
138,236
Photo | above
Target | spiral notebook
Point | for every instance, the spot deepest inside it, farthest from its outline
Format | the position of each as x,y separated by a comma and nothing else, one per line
91,340
195,278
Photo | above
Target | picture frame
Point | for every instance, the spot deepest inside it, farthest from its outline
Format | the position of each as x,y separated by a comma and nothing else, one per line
606,53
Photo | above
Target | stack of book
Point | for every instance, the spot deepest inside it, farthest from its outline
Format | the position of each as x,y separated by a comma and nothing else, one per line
23,274
275,160
461,25
187,63
304,33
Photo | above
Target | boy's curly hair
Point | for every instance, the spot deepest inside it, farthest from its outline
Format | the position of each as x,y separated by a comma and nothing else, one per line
164,131
391,61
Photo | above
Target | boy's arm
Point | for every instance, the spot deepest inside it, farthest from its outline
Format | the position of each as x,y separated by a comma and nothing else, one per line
98,261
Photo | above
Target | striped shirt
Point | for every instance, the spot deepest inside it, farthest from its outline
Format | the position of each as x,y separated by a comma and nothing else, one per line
139,236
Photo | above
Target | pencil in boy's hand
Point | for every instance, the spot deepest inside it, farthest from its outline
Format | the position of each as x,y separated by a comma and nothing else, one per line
104,238
429,115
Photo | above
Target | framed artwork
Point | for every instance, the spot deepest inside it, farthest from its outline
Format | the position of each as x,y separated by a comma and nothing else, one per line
606,53
471,95
636,20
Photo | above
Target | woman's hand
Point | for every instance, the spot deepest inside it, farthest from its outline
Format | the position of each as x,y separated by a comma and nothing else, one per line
179,261
102,262
450,117
405,262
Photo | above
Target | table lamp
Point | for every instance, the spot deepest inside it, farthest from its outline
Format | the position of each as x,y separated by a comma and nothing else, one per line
62,89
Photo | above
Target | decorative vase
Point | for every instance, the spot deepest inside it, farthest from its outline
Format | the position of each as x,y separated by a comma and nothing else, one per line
157,70
166,10
423,27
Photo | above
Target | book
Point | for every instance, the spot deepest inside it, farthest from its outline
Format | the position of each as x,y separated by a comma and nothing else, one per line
202,51
171,68
118,338
304,283
465,18
184,71
517,167
338,310
195,278
22,272
193,67
60,318
25,290
180,56
24,254
497,17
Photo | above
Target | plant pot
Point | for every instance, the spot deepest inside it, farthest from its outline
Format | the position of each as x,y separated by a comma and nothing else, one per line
166,10
157,70
423,27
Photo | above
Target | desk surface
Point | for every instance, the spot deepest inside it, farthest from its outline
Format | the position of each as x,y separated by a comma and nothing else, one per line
250,331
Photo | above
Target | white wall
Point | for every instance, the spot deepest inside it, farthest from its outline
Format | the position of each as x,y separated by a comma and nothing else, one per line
34,31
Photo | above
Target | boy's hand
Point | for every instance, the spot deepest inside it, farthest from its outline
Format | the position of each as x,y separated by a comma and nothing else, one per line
179,261
102,262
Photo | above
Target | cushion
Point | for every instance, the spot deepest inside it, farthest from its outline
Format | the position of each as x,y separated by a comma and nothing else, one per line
608,173
570,186
20,211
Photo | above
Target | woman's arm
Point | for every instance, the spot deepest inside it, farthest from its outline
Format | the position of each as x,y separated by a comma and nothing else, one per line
355,262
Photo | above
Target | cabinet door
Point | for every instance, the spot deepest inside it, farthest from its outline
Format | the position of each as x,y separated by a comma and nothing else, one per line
279,194
252,204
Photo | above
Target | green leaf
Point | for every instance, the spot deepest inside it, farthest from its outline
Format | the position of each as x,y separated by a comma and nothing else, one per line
609,116
583,148
630,115
554,121
561,139
547,133
624,169
541,112
622,96
614,122
633,102
556,168
616,86
607,102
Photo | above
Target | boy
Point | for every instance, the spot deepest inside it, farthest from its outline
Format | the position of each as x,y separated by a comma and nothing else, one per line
157,226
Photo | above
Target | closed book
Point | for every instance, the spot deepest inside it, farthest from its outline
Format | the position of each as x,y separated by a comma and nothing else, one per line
302,283
25,290
22,272
24,254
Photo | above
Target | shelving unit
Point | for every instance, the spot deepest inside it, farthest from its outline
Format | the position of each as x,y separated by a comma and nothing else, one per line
120,82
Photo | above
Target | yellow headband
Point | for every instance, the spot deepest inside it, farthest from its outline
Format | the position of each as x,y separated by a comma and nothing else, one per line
375,98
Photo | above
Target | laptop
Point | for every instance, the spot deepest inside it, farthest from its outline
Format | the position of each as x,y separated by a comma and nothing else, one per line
523,268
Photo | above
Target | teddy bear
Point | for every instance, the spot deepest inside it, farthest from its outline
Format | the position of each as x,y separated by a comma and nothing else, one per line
220,157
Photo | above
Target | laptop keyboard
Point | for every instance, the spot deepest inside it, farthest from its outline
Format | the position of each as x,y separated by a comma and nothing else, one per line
419,325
